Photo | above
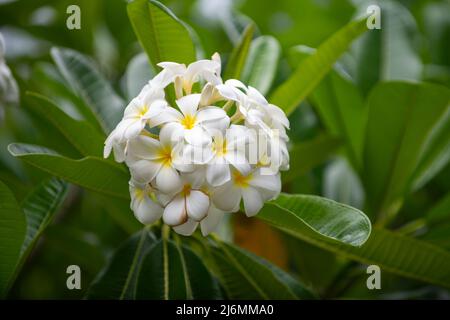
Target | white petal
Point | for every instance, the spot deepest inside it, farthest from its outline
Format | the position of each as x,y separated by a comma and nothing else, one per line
197,136
134,129
148,211
230,92
156,107
210,113
144,171
277,114
171,133
227,197
236,83
169,115
253,202
119,151
212,220
168,180
212,126
189,104
195,179
197,204
133,109
239,161
218,173
175,212
268,182
144,147
256,96
187,228
168,74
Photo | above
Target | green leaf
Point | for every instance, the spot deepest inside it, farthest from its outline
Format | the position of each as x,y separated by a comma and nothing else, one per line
342,184
93,173
391,251
118,279
79,133
247,276
440,212
12,233
162,35
238,56
436,153
39,207
309,154
388,53
312,69
84,78
328,218
402,117
171,271
262,62
343,111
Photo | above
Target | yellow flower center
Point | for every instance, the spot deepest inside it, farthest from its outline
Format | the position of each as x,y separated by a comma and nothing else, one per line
220,147
139,193
188,121
241,180
143,110
165,157
186,190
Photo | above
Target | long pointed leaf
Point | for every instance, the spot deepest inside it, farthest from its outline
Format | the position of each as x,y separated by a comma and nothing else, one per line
238,56
328,218
12,233
261,63
162,35
407,114
94,89
80,134
118,279
393,252
312,69
92,173
246,276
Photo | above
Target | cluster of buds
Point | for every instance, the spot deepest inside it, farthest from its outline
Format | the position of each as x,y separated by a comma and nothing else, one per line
191,161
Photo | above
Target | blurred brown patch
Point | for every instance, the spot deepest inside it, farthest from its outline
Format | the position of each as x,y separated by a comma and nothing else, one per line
259,238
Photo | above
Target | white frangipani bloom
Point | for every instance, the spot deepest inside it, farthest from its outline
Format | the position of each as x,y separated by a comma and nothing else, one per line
191,202
207,225
192,123
9,92
190,161
185,77
147,105
152,159
228,150
254,108
254,188
145,208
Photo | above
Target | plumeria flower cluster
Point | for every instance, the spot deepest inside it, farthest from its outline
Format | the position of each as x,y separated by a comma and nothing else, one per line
198,147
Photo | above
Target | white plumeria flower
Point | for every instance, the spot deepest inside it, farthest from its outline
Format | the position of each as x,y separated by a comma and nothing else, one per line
254,108
269,152
192,202
207,225
145,208
193,123
228,150
254,188
151,159
198,167
185,77
139,112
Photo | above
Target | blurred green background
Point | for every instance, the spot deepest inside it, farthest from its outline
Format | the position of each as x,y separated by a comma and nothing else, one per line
414,46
